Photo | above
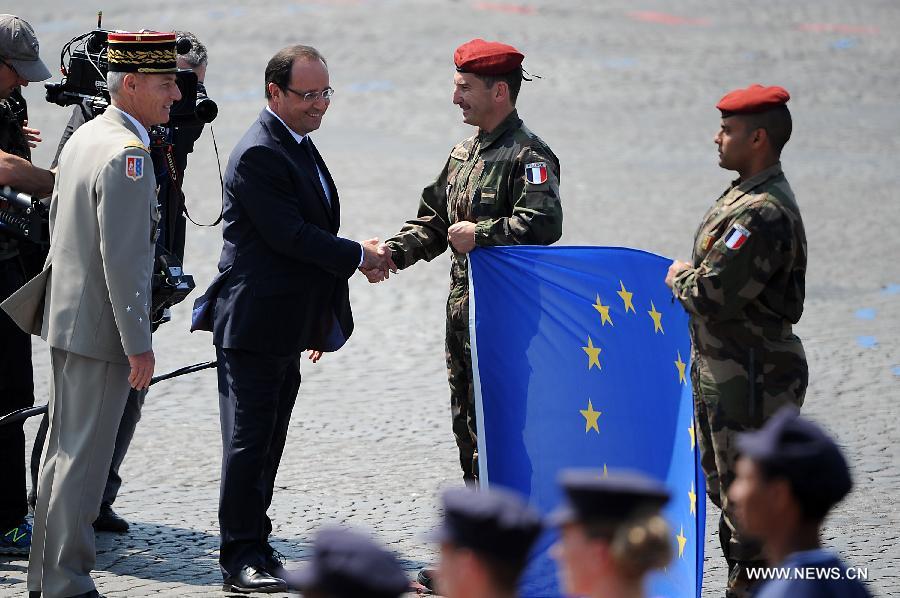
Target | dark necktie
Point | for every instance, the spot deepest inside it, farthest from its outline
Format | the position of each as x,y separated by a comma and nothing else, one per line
306,144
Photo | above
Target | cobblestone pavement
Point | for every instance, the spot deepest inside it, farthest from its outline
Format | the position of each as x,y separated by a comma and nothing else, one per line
626,101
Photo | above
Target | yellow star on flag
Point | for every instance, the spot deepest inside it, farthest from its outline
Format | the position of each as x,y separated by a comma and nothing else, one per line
604,312
682,540
593,354
693,435
626,297
657,319
590,418
693,498
680,365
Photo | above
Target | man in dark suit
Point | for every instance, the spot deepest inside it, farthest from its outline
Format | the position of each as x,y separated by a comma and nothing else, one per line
281,290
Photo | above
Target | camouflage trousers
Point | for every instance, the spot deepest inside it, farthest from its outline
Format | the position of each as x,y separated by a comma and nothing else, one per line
459,374
725,404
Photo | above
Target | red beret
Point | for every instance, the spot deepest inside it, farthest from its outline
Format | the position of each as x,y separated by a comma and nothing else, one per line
755,98
487,58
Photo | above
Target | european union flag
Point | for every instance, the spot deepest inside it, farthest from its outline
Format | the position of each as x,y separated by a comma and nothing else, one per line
581,360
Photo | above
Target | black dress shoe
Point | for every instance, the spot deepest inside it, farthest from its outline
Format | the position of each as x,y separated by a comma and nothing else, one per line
108,521
251,579
91,594
274,564
427,577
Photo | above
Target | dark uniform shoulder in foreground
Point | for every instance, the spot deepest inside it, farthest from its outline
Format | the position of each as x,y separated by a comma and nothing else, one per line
349,564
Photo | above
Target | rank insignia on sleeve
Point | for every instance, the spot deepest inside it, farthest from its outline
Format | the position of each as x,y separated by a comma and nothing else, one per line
736,237
134,167
536,173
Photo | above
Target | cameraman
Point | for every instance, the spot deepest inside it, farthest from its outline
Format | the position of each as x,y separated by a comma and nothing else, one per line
171,239
20,64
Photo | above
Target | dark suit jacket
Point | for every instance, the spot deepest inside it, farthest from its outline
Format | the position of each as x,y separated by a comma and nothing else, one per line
282,283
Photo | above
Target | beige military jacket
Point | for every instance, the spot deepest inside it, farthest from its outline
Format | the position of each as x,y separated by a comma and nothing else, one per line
93,296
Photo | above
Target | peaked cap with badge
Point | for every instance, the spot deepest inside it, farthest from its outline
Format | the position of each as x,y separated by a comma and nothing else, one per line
616,497
744,292
496,523
506,182
796,449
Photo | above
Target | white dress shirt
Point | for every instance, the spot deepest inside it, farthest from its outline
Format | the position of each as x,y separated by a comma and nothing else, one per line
142,130
299,139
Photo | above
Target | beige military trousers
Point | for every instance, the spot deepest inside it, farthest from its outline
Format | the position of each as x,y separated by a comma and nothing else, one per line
87,398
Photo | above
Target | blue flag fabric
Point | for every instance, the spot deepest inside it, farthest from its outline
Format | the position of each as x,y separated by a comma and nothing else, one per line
580,359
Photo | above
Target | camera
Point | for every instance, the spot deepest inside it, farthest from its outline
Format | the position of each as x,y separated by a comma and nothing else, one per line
84,74
84,65
170,285
23,217
195,107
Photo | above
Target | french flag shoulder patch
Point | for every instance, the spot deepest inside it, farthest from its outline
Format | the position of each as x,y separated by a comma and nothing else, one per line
536,173
736,237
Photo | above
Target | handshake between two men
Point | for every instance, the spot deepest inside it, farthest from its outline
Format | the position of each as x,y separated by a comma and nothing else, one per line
378,264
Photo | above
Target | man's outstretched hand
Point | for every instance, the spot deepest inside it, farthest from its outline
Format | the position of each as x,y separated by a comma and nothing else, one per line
377,264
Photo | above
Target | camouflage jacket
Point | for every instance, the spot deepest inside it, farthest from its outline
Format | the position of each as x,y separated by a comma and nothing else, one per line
747,283
507,181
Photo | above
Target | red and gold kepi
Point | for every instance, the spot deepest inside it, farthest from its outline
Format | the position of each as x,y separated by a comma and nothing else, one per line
146,52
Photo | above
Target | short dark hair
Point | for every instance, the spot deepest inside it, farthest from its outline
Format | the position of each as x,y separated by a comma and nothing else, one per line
814,507
776,122
504,573
278,71
513,80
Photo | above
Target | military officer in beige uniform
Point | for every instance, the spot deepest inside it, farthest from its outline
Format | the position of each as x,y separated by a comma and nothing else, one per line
91,304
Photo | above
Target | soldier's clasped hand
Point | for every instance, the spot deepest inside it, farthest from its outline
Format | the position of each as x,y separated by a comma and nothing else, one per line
462,236
676,268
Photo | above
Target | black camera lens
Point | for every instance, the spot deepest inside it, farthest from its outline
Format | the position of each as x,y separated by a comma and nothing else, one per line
206,110
183,46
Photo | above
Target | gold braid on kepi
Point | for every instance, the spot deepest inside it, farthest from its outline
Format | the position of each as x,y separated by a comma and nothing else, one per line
149,52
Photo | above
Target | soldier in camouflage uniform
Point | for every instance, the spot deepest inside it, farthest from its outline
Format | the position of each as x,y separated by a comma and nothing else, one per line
498,187
744,290
19,64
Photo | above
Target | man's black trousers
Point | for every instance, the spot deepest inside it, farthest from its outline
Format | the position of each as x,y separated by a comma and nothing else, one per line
256,395
16,392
